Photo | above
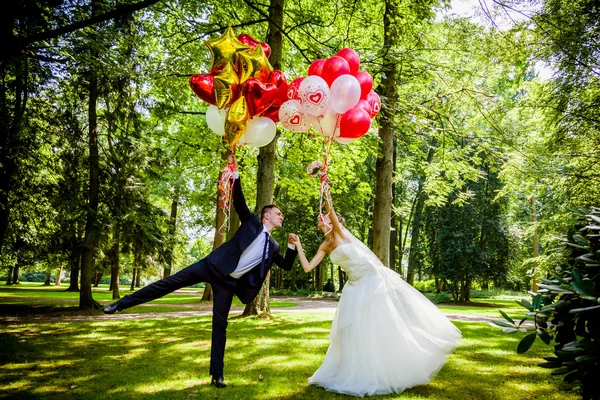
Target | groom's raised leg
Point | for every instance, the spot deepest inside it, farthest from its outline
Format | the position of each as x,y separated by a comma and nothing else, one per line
191,275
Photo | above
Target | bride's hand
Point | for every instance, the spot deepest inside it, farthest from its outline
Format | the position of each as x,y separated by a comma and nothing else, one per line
295,240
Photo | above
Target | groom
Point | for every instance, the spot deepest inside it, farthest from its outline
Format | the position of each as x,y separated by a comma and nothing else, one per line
239,266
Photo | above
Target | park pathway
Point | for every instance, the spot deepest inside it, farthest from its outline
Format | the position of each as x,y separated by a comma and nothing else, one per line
303,304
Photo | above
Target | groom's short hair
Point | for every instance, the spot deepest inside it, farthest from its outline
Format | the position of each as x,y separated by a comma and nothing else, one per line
266,209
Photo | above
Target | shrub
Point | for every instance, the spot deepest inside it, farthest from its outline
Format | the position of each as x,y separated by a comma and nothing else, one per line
425,286
566,310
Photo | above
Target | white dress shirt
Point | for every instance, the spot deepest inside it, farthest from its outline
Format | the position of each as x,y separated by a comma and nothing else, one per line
252,256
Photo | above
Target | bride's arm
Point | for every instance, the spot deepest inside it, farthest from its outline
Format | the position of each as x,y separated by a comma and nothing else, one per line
337,225
308,266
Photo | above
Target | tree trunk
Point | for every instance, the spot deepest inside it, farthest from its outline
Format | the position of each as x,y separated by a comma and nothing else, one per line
91,226
10,130
116,250
172,234
399,268
266,157
332,276
138,278
58,276
416,227
294,286
536,248
341,278
133,275
47,280
97,279
9,276
414,235
383,170
74,260
394,231
319,277
15,278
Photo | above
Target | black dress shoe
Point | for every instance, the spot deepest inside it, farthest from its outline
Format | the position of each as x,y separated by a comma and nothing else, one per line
218,382
111,308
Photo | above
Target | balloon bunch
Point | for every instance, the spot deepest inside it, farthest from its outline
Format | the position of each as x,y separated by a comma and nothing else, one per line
242,88
336,99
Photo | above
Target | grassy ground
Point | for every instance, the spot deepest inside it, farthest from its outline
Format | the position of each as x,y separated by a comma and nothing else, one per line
36,298
168,359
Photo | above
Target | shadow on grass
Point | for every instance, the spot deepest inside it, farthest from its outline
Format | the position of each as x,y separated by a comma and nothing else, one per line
169,359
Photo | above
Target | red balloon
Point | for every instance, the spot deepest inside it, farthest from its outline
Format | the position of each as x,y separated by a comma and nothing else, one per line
375,103
366,83
334,67
203,86
354,123
259,96
364,105
273,113
293,89
250,41
278,79
316,68
352,57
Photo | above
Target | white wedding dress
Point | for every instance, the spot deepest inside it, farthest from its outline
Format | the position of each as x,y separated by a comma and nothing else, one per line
385,336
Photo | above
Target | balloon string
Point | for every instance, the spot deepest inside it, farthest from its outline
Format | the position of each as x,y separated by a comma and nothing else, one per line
324,192
225,193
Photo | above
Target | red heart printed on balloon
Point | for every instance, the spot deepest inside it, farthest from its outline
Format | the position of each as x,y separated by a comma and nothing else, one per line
315,97
295,120
259,96
204,87
278,79
250,41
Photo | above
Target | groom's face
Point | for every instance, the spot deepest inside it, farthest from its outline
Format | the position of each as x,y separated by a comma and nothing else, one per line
275,216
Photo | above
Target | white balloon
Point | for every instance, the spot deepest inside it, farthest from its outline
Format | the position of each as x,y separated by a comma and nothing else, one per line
292,118
330,123
215,119
313,94
345,93
260,132
343,140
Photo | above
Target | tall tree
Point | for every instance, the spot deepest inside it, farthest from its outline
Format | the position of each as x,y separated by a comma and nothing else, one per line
266,158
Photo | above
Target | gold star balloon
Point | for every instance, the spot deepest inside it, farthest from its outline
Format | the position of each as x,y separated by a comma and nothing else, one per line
237,120
225,86
225,47
253,64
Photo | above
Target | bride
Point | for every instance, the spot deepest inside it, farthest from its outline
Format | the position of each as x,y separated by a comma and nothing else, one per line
385,336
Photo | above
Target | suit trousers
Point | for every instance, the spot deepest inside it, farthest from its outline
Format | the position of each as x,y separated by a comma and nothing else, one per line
223,287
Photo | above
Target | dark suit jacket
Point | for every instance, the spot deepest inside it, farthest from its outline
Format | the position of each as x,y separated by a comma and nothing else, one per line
226,257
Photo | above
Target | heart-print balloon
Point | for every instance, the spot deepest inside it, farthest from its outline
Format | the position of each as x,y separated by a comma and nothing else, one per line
375,103
259,96
278,79
250,41
204,87
292,118
314,95
293,89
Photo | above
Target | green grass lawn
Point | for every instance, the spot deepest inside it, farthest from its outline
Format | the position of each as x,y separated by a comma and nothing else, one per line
508,305
38,295
169,359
